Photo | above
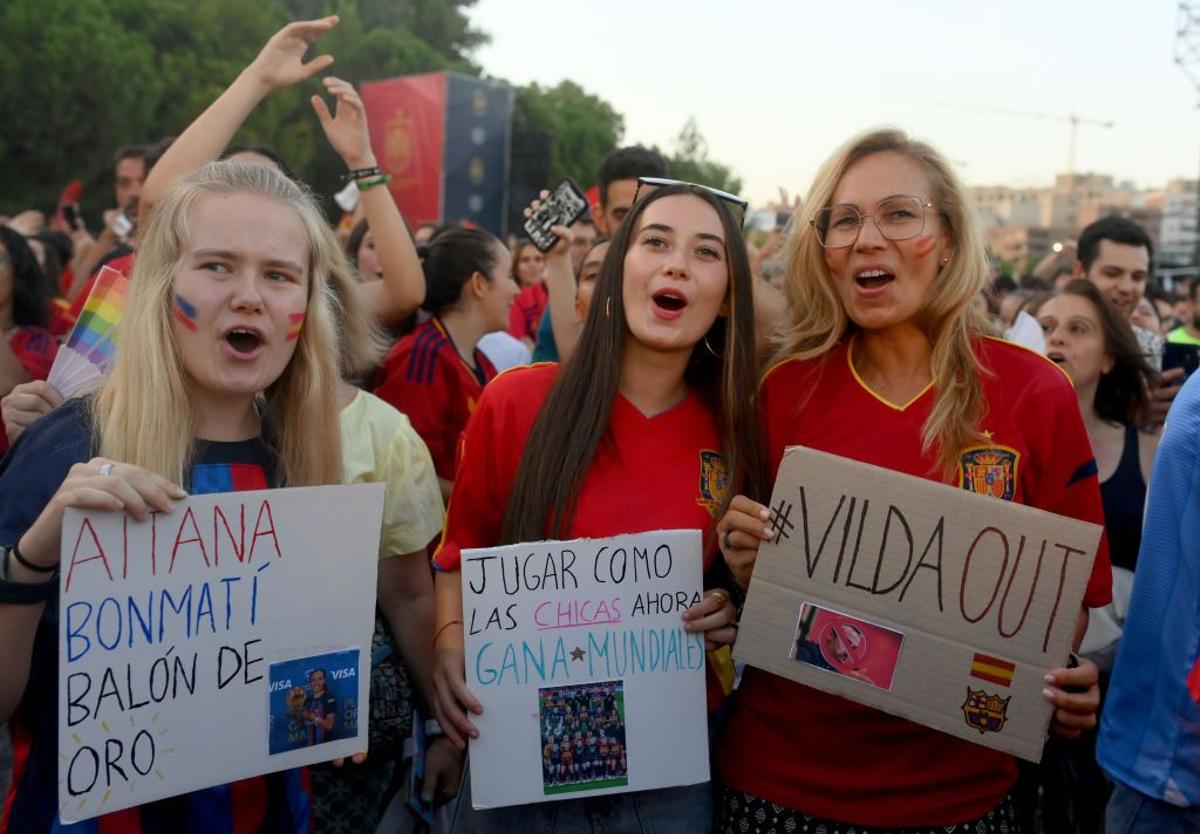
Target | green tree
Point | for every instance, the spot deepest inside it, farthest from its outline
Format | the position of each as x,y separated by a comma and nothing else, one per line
690,162
581,127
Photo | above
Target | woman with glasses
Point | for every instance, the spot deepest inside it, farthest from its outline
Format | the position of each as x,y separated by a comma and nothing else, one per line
886,361
617,440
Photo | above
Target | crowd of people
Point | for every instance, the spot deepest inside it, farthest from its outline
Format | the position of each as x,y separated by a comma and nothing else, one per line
650,344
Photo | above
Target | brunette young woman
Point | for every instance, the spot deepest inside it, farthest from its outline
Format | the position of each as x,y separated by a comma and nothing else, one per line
436,374
884,362
231,257
27,346
619,439
529,271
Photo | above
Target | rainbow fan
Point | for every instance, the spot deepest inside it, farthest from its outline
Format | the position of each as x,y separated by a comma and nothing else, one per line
87,354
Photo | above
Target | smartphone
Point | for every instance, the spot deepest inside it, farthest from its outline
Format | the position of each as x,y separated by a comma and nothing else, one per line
67,201
122,225
564,206
1181,356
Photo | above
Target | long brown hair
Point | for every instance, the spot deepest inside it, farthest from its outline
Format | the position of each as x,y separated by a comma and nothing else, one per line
575,415
1121,394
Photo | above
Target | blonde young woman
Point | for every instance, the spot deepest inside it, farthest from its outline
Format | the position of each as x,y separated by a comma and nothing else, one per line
885,361
229,298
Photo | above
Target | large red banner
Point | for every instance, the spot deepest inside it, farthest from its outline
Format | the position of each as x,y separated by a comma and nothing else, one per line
407,117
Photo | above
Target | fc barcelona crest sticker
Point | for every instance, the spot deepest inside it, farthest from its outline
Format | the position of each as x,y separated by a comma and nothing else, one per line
986,713
989,470
713,481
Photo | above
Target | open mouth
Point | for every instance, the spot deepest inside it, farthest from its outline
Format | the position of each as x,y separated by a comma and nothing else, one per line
871,279
669,300
243,340
1055,357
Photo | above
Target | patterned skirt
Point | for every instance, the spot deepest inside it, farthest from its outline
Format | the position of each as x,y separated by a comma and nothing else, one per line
743,813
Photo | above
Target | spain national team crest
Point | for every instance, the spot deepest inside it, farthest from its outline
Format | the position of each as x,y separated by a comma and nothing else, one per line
713,481
989,470
986,713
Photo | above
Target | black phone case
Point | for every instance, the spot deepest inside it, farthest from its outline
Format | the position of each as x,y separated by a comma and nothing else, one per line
566,204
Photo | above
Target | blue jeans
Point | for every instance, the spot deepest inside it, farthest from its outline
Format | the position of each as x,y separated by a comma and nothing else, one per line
683,810
1131,812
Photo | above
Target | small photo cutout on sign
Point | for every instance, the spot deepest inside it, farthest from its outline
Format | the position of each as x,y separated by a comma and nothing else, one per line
583,737
313,700
846,645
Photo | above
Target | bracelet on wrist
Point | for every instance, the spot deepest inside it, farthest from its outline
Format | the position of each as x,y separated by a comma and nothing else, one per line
444,626
25,563
367,185
24,593
362,173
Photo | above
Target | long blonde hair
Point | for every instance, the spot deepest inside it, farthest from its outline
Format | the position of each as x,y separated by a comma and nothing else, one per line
142,414
819,321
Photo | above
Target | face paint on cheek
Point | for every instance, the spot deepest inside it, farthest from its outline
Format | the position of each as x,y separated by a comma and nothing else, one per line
925,246
185,313
295,324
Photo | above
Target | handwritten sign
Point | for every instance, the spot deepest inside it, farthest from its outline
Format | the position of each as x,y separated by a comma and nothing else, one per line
225,640
922,600
590,684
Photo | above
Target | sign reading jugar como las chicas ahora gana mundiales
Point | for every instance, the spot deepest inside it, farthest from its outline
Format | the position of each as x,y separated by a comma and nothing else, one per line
589,682
227,639
939,605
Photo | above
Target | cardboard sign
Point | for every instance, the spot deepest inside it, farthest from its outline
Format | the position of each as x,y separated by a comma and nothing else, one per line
589,683
932,603
225,640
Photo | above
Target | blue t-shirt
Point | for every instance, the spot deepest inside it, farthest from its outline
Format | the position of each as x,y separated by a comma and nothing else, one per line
1150,728
29,476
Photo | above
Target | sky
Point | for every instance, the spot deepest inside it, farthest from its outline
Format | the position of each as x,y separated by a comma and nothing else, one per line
776,85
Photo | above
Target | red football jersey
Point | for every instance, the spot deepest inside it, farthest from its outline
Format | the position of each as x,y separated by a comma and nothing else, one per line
425,377
833,758
526,312
34,348
650,473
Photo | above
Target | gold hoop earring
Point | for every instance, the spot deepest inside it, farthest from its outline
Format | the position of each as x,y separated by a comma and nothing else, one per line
608,307
709,347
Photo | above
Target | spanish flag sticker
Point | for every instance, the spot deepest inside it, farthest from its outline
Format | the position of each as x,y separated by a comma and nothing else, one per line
992,669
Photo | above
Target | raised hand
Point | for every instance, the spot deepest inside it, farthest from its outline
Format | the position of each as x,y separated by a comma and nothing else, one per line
346,127
281,61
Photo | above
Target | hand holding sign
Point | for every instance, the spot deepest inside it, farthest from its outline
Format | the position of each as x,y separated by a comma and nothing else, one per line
99,484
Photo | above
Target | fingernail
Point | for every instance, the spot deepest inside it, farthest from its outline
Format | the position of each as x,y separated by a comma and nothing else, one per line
1048,679
1047,694
768,533
765,515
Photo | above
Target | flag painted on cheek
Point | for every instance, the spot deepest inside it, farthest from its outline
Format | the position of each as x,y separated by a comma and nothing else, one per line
185,313
295,323
925,245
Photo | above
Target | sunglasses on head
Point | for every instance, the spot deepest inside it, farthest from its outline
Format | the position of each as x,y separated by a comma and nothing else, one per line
737,206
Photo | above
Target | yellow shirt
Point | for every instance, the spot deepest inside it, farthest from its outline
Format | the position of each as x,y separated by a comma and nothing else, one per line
379,445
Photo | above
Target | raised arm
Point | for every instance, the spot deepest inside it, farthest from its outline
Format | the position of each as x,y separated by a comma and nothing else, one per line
279,64
403,286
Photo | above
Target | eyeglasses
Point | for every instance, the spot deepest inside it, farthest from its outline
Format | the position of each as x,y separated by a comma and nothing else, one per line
897,218
737,206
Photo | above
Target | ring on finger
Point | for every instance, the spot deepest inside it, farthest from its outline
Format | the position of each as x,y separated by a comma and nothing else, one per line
721,596
725,540
106,469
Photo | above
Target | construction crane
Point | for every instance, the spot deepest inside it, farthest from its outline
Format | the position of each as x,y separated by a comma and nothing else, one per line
1072,119
1187,56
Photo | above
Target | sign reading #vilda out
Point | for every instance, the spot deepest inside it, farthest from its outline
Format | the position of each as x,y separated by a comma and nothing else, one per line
928,602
